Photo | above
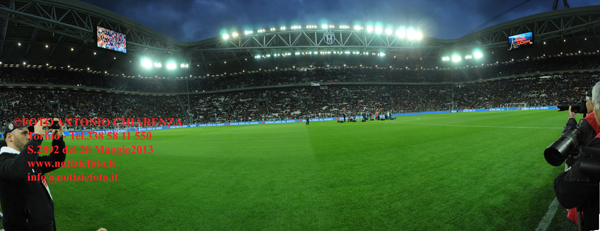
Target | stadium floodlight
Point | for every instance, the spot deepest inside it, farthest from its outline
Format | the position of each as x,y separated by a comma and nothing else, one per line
324,26
273,29
378,30
388,31
171,65
182,65
357,27
225,36
418,35
282,28
369,29
401,33
157,65
234,34
146,63
456,58
477,54
411,34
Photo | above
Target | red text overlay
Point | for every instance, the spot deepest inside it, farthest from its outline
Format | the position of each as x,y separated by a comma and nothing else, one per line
101,122
52,177
72,164
87,149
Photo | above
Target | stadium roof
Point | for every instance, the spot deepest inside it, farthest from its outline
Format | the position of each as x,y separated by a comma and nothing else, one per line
61,33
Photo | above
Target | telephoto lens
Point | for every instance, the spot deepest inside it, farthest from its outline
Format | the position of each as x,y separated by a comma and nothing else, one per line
558,151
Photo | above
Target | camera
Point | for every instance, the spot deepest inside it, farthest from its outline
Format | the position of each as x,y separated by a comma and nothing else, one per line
561,149
54,125
576,106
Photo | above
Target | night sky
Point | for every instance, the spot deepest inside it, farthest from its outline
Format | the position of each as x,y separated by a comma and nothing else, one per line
195,20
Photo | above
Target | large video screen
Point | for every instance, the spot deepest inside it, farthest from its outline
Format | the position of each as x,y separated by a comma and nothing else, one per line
112,40
520,41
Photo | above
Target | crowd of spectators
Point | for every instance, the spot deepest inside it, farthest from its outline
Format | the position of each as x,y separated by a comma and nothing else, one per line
42,103
266,78
295,102
384,74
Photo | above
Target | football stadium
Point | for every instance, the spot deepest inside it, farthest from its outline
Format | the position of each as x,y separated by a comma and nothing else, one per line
363,125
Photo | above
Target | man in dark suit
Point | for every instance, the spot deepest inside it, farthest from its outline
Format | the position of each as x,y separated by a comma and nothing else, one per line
24,193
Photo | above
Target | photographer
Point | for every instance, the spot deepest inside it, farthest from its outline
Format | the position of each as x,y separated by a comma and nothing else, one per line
27,204
575,189
587,125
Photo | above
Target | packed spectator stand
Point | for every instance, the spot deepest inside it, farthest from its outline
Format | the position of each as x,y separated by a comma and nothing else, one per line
447,89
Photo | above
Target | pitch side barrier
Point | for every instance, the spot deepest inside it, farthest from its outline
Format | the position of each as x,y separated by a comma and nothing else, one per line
292,121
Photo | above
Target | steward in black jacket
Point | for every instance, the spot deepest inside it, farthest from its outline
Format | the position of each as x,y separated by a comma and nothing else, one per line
25,198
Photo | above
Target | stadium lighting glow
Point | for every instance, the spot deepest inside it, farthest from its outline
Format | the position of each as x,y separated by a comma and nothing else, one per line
456,58
369,29
477,54
157,65
411,34
146,63
295,27
357,27
273,29
388,31
418,35
248,32
171,65
225,36
401,33
378,30
468,57
324,26
234,34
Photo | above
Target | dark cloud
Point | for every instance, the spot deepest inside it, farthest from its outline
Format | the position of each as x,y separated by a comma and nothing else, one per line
194,20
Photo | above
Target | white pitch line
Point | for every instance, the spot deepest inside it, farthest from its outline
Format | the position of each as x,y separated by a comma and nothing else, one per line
545,222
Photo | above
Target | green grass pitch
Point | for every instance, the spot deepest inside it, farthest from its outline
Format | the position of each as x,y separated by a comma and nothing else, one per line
463,171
